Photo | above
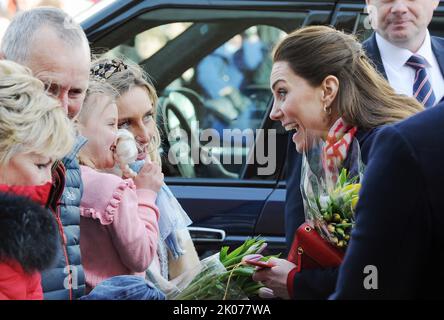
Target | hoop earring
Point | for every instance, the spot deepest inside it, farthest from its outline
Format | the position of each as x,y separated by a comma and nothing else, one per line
327,110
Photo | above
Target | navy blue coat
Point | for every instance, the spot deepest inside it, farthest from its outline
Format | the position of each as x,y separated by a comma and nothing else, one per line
400,215
315,283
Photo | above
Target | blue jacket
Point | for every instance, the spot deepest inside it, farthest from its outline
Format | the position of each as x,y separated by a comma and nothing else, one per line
371,47
312,283
400,216
55,280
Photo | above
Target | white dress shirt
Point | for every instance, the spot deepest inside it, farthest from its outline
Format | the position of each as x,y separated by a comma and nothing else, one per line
400,76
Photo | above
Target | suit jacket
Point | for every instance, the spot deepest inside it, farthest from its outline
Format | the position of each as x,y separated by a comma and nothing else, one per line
372,50
400,215
313,283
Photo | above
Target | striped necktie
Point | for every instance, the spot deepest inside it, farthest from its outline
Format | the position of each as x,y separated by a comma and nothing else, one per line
422,89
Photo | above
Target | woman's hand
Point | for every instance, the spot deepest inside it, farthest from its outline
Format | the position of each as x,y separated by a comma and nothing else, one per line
275,278
149,177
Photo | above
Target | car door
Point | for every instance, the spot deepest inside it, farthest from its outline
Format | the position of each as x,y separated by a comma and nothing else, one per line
222,156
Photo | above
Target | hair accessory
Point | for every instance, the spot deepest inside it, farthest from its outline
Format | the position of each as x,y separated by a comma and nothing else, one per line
105,70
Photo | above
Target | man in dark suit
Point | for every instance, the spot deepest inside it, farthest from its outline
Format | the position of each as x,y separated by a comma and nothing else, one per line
400,33
397,246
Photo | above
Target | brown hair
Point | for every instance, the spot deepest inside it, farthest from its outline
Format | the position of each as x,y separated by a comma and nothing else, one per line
365,99
126,78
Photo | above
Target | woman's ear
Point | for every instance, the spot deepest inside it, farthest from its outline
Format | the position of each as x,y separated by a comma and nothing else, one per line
330,88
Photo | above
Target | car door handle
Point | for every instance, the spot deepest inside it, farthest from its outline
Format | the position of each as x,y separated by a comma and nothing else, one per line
199,234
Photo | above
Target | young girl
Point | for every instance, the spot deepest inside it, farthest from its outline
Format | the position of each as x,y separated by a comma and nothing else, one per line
137,113
34,132
118,226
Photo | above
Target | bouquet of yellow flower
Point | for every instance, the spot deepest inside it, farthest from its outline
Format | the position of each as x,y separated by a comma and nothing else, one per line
330,192
333,215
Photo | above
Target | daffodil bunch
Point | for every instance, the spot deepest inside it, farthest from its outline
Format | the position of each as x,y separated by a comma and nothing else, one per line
336,218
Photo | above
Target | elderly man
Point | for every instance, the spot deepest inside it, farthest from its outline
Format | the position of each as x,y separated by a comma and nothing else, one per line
57,51
403,50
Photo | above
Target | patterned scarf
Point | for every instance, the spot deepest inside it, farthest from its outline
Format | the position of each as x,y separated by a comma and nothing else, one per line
338,141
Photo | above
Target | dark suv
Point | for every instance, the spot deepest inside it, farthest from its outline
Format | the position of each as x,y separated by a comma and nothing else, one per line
230,188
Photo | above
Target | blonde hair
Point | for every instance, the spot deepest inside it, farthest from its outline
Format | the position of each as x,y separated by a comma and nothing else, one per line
30,120
96,88
365,99
125,79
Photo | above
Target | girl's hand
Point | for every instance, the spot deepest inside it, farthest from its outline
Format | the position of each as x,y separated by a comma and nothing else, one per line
275,278
149,177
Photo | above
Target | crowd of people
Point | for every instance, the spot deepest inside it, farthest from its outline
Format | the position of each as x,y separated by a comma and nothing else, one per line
60,198
80,107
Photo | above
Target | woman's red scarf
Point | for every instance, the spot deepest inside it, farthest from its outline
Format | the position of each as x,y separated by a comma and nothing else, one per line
39,194
338,142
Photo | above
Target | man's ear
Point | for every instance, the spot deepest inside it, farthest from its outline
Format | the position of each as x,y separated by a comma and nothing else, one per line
330,88
2,56
371,10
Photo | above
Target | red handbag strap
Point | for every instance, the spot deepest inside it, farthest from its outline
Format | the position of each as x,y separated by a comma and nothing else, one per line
300,252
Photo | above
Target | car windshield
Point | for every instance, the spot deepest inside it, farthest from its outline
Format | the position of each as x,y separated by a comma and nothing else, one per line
89,9
147,43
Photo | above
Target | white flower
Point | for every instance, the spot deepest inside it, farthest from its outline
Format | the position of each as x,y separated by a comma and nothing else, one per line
323,201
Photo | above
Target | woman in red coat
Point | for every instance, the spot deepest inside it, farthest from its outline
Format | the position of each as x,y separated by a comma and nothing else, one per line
34,132
28,241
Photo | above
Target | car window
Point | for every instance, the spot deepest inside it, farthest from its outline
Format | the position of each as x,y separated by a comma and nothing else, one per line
147,43
363,29
345,21
436,27
222,100
211,70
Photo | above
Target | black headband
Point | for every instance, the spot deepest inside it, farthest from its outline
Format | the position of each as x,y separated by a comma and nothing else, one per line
105,70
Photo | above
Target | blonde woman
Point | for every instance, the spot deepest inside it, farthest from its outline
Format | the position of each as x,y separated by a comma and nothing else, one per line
136,105
34,132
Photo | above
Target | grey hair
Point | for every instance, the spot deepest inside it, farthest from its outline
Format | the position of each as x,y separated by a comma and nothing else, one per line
18,38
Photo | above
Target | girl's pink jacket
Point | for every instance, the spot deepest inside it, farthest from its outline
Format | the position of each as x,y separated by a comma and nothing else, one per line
118,227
